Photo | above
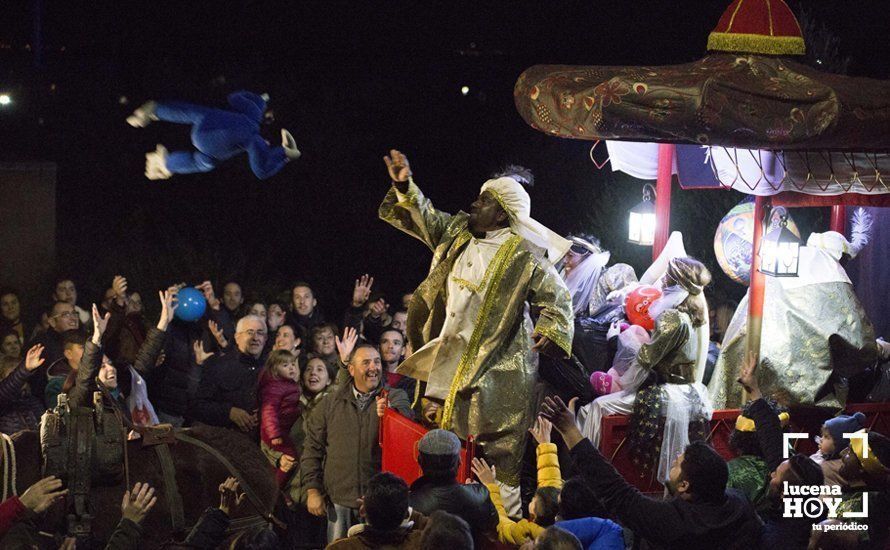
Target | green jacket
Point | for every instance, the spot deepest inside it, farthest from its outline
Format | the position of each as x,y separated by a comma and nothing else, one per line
341,450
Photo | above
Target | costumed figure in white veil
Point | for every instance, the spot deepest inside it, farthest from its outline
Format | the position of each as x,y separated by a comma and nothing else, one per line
661,376
815,330
581,269
597,299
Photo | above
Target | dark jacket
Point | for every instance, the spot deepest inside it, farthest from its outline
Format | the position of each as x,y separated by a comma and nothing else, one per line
227,381
24,534
672,523
52,352
81,394
19,410
124,334
471,502
778,532
126,536
210,531
170,382
303,323
341,451
365,325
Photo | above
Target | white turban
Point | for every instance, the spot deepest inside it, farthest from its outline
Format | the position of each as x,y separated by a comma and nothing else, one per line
836,245
516,202
832,242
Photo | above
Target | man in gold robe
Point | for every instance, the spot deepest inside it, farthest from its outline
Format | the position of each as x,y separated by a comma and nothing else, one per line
475,348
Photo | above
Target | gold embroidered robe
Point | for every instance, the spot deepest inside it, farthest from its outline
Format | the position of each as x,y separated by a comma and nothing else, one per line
492,393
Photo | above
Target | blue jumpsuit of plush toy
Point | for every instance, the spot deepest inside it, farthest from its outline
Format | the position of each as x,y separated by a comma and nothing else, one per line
220,134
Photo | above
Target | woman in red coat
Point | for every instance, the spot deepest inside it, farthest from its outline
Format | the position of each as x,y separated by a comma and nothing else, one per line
279,390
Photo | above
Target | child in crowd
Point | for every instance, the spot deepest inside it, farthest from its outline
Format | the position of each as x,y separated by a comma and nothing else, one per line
544,507
833,441
279,389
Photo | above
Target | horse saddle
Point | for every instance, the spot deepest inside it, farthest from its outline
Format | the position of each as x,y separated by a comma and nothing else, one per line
83,447
162,434
84,442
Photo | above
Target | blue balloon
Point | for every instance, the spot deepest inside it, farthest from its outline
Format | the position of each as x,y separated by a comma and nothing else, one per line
191,304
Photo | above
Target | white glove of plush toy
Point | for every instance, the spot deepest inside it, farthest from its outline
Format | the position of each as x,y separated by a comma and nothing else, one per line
290,145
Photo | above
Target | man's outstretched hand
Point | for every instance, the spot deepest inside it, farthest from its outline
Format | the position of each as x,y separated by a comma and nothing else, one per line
546,346
43,494
748,376
399,169
563,418
486,474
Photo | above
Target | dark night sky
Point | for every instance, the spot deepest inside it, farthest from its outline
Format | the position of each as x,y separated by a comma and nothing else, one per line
350,80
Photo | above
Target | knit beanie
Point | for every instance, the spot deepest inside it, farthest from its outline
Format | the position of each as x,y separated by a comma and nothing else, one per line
842,424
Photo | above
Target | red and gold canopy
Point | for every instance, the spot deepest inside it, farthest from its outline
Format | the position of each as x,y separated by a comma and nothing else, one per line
747,93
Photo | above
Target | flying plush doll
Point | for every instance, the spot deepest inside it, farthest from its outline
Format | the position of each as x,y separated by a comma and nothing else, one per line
217,134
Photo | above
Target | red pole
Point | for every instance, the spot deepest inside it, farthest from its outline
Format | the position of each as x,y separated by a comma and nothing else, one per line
663,197
839,218
758,281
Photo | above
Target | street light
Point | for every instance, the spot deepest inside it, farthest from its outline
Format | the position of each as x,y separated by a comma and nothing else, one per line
5,99
780,249
641,222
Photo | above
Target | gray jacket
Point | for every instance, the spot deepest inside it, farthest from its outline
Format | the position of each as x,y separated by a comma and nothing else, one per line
341,450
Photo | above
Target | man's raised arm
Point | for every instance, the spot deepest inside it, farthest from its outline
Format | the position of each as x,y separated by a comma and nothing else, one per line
406,208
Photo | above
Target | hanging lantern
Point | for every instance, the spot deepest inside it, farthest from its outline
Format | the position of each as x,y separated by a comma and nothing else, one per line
641,222
780,251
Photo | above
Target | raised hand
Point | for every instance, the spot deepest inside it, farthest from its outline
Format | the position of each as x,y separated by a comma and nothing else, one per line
200,355
43,494
397,165
138,503
563,418
230,496
545,345
748,376
207,288
486,474
362,290
119,286
99,325
378,309
169,303
33,358
431,411
217,334
541,430
347,344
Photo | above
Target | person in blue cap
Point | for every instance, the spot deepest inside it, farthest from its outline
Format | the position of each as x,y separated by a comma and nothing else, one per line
832,442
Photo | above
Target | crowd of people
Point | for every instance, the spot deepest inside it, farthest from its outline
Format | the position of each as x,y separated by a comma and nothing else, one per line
310,393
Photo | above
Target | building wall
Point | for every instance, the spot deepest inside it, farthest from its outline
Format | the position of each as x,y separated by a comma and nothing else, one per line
28,231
